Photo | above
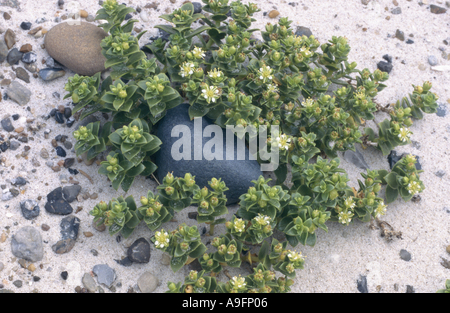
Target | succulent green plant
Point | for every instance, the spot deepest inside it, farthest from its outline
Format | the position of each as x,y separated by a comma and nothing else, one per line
119,215
279,85
447,287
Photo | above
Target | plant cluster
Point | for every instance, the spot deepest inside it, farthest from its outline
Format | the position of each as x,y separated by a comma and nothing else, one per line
229,76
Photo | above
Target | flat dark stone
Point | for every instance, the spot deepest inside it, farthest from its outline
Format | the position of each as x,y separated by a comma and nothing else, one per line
139,251
7,124
237,174
63,246
69,227
302,30
56,204
362,284
385,66
125,262
60,151
14,56
25,25
49,74
70,193
393,158
30,209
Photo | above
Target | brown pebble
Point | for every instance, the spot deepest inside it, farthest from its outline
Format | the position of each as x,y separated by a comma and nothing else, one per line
100,228
83,13
274,14
6,16
79,208
34,31
5,82
19,129
56,168
26,48
45,227
54,143
173,1
448,249
10,38
3,237
394,2
388,18
88,234
31,267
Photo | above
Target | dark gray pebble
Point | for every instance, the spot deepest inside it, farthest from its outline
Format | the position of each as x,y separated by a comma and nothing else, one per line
61,152
29,57
361,284
385,66
64,275
25,25
49,74
7,125
405,255
59,117
70,193
139,251
14,56
18,181
30,209
197,7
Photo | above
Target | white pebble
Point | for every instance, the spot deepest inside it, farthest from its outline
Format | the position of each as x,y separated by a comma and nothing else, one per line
144,16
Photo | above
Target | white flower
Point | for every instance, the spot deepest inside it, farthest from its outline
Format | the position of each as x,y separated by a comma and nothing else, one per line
349,203
162,239
345,217
238,282
211,93
404,134
295,256
265,73
262,219
272,88
215,74
284,142
187,69
381,209
239,225
308,103
414,187
198,53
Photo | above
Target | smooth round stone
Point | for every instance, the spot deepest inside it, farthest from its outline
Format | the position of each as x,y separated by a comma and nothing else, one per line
77,47
237,174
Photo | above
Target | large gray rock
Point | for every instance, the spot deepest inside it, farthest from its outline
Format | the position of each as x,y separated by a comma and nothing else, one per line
26,244
77,47
237,174
18,93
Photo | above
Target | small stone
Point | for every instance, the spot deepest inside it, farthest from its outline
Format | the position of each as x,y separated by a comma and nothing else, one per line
139,251
32,68
18,181
26,244
7,125
69,234
422,67
45,227
405,255
56,204
147,282
69,162
105,274
410,289
44,153
6,16
437,10
77,47
301,30
448,249
64,275
388,58
14,56
23,74
365,2
10,38
17,283
34,31
441,110
26,48
60,151
25,25
70,193
90,18
165,259
59,118
3,51
49,74
396,10
100,228
30,209
409,42
384,66
197,7
274,14
83,13
89,282
14,145
18,93
400,35
432,60
440,173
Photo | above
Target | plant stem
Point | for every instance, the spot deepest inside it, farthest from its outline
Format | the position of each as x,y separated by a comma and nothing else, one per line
211,229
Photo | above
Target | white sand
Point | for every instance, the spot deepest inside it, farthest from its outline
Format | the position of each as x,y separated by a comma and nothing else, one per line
341,255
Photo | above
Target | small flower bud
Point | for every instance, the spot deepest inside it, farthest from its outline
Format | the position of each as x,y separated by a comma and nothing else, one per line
169,190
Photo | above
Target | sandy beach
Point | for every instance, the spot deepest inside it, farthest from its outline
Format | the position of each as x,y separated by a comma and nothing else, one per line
340,257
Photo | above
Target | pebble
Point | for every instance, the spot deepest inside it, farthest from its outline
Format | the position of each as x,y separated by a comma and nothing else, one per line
3,51
14,56
26,48
77,48
89,282
100,228
84,13
59,117
400,35
139,251
448,249
44,153
105,274
396,10
17,283
70,193
23,74
440,173
274,14
64,275
405,255
32,68
14,145
90,18
26,244
69,234
18,93
7,124
25,25
147,282
60,152
410,289
45,227
10,38
437,9
49,73
29,57
432,60
56,204
30,209
302,30
197,7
